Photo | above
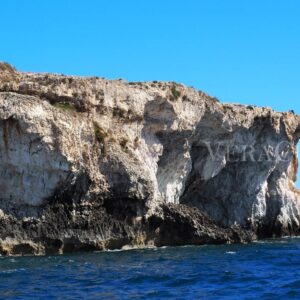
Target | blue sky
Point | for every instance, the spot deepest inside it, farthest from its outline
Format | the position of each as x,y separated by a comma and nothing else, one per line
239,51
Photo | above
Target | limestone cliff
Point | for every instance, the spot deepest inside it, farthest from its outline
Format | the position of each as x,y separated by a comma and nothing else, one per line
91,164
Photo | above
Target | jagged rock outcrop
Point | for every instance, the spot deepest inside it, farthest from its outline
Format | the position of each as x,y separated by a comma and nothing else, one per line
91,164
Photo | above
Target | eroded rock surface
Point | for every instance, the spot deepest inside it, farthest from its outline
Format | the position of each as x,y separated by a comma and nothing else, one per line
91,164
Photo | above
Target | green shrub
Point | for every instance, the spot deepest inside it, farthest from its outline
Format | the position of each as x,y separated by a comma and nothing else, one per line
4,66
174,93
100,135
65,80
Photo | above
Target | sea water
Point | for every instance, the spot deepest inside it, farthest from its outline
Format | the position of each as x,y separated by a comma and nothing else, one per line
267,269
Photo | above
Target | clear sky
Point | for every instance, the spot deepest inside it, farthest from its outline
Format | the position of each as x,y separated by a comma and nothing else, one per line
245,51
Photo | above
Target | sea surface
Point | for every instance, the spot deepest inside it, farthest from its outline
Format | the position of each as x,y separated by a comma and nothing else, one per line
265,270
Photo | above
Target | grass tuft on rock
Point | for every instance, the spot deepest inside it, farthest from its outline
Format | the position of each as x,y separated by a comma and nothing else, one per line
65,106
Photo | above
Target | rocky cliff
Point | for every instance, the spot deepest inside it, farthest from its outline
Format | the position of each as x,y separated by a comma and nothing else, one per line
92,164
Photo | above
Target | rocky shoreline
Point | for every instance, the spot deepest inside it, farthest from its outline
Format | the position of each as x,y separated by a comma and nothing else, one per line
93,164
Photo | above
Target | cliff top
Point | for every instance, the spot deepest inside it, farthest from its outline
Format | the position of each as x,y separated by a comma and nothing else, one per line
121,98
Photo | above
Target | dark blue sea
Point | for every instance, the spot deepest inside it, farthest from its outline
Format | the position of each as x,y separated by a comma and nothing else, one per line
266,270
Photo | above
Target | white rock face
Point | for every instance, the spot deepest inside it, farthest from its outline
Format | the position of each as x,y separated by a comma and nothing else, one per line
154,142
30,167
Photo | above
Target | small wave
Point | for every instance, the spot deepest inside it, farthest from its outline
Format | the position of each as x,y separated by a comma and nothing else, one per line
291,237
129,248
230,252
13,271
111,250
274,241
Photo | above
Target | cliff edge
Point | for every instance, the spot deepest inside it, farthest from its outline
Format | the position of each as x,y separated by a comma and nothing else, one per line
93,164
